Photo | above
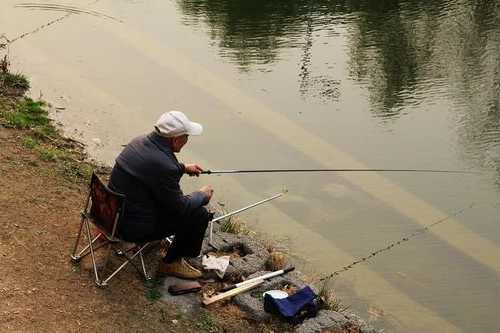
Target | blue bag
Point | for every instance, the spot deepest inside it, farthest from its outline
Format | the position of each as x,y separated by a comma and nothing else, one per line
294,308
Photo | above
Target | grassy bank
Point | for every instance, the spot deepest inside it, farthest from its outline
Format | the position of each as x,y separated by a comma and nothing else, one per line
37,132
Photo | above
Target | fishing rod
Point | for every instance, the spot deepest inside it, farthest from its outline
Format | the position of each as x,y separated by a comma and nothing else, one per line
239,211
238,288
257,278
398,242
211,172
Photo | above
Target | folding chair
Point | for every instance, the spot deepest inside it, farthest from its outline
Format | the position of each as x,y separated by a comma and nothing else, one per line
103,208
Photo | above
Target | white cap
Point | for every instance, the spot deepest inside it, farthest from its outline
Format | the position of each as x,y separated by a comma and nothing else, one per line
175,123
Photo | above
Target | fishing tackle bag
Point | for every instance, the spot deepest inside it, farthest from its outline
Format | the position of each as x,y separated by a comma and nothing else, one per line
294,308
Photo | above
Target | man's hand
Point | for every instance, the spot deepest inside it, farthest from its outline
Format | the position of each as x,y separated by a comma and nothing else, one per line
208,190
193,169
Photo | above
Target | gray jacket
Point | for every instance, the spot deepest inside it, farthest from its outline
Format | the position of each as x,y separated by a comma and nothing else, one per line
148,173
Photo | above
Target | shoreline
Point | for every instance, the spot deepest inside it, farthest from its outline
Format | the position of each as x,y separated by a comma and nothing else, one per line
34,145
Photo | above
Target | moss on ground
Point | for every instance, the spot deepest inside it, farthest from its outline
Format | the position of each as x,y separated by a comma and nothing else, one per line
30,114
32,117
207,323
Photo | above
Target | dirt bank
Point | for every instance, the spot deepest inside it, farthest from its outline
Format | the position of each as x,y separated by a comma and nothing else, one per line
40,289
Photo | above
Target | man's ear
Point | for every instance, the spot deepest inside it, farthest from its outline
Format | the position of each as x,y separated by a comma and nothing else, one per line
171,142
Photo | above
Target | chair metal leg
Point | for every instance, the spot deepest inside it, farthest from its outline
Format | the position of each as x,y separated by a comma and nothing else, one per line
91,248
73,256
123,253
105,282
146,276
85,251
97,281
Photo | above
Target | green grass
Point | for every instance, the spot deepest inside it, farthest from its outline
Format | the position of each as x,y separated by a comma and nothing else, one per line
24,113
9,81
49,153
44,137
71,170
46,130
13,81
75,171
153,292
29,114
30,142
207,323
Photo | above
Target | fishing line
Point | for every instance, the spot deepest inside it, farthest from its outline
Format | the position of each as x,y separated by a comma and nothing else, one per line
43,26
64,8
399,242
39,28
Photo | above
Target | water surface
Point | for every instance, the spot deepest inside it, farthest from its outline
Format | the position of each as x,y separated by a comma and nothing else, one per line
302,84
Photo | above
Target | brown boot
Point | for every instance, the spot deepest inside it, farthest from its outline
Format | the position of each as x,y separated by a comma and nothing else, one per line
179,268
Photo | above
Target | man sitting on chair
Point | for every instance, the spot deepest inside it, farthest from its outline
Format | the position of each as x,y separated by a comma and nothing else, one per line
147,172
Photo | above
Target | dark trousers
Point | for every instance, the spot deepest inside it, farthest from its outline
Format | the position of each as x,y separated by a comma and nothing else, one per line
189,234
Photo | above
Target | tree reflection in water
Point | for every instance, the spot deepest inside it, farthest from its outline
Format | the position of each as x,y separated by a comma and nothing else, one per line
403,51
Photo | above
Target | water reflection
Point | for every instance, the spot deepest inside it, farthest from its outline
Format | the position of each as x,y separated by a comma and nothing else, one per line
469,57
390,46
403,53
253,35
249,32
